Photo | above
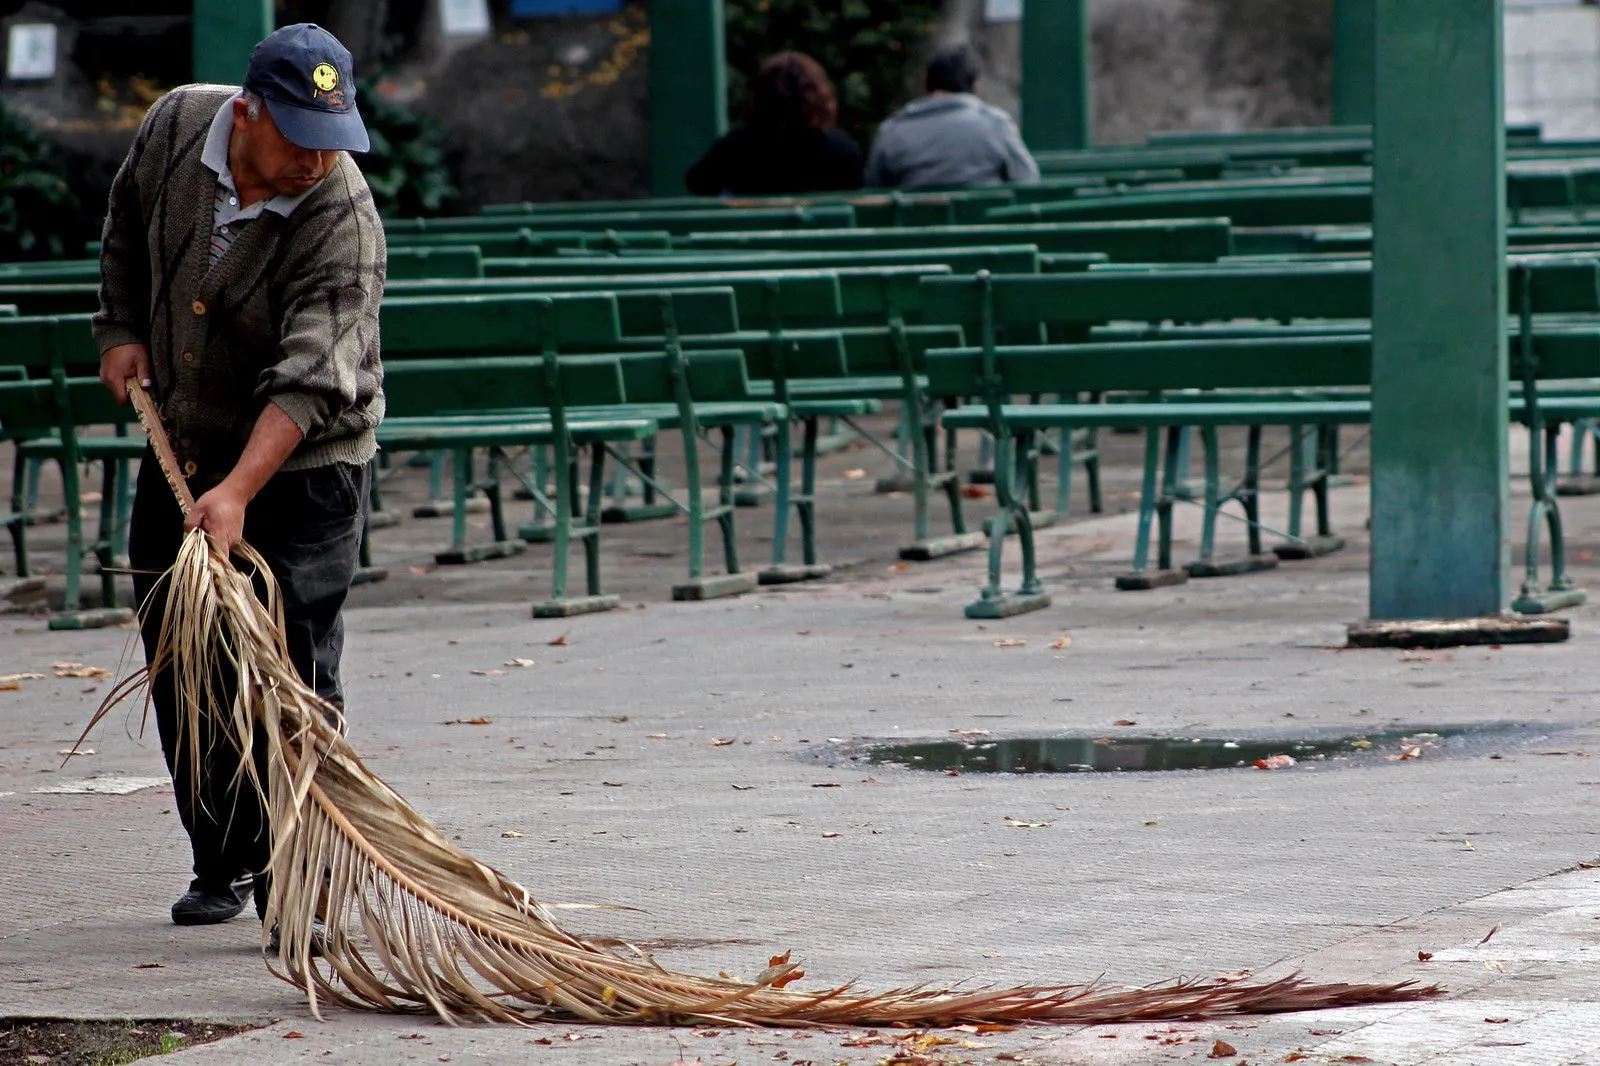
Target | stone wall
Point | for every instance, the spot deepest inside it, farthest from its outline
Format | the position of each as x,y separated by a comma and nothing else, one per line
1182,64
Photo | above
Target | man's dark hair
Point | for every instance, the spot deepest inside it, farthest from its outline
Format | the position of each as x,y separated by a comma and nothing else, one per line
953,69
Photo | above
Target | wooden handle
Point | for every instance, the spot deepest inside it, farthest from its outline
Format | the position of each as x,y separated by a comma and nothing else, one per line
158,440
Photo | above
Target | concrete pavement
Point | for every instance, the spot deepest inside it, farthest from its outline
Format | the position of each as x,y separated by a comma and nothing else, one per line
601,755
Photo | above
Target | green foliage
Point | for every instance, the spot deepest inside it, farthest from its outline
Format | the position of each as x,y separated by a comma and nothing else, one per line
408,168
40,217
870,48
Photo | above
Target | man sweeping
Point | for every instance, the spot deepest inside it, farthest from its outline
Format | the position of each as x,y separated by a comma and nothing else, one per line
242,266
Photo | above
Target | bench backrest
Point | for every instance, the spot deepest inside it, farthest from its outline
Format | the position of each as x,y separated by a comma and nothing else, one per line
1176,240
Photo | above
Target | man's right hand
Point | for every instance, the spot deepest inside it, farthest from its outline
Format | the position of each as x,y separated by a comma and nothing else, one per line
122,362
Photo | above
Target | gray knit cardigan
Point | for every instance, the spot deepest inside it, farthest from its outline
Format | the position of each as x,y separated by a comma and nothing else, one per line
288,315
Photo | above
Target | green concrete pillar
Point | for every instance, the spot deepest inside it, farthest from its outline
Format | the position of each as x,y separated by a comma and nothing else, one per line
1354,41
225,32
1056,75
1440,533
688,88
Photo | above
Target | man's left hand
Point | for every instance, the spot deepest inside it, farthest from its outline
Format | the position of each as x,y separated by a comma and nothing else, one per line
220,513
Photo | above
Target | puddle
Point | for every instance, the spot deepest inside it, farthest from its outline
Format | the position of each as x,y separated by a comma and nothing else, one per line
1114,754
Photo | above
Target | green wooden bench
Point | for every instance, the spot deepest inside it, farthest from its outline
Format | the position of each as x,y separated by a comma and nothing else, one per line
524,242
1192,239
999,259
986,306
57,412
708,391
833,216
444,261
430,404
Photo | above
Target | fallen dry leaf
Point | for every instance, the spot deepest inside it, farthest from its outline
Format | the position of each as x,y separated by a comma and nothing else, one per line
827,784
1274,762
489,673
1353,1058
1010,642
1490,933
612,784
970,732
149,966
11,686
744,788
9,678
974,492
1233,976
1222,1050
1497,1021
78,751
830,836
985,1028
519,662
722,742
1017,823
1409,753
1124,722
1152,822
1424,956
469,721
1063,641
558,642
855,474
79,670
1362,744
294,1034
511,834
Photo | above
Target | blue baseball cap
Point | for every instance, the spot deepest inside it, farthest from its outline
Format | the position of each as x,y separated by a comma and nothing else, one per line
308,81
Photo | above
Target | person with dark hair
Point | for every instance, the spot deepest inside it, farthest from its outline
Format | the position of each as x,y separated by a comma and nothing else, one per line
949,139
791,143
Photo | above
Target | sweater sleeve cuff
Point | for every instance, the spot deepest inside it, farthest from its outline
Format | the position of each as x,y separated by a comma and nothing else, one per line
303,410
110,334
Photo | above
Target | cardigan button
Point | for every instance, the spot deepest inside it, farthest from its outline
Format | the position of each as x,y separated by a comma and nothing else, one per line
191,468
188,357
199,308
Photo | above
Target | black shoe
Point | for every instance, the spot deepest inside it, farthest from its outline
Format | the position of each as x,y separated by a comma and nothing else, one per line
208,905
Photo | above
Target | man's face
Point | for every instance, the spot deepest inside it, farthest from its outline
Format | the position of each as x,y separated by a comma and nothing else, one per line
266,157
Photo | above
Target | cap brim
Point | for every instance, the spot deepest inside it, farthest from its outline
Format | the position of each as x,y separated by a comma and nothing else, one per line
320,131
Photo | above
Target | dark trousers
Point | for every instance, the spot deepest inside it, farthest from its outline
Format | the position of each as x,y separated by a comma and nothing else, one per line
307,525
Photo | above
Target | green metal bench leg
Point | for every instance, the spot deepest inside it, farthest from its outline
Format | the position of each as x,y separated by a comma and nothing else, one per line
781,572
540,528
906,435
19,522
1577,483
1091,468
1314,476
1013,518
1560,592
1152,503
378,517
648,509
1208,565
73,615
366,573
459,552
591,531
436,506
733,582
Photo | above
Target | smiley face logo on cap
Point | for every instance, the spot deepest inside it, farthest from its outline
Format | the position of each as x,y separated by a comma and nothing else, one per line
325,78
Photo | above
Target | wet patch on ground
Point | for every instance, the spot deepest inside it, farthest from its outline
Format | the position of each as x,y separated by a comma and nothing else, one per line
975,751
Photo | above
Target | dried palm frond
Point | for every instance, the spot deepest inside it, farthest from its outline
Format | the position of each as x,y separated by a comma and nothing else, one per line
378,910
